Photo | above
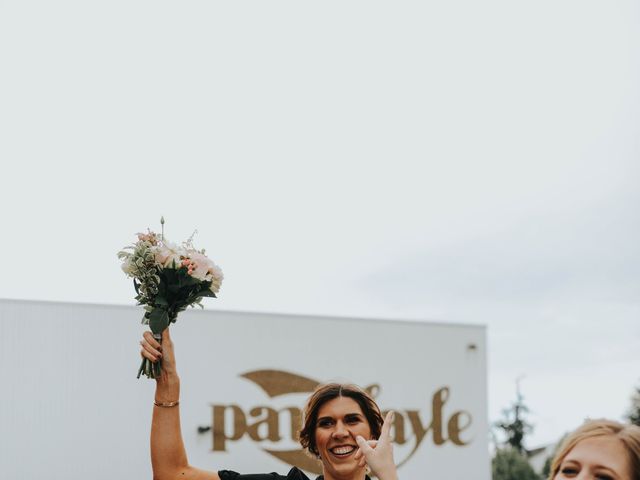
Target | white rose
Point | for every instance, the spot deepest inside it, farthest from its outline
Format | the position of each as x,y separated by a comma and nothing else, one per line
216,278
169,254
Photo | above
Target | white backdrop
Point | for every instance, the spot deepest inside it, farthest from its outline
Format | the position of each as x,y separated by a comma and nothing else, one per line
463,161
73,408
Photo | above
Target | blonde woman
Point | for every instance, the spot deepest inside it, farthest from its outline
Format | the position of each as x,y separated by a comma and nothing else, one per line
599,449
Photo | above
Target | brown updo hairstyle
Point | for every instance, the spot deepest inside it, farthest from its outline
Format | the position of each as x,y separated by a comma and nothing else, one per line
327,392
629,435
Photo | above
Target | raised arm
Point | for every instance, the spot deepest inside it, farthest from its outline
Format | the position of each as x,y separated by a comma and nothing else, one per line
168,455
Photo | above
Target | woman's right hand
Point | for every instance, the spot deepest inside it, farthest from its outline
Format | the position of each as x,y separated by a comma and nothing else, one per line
154,351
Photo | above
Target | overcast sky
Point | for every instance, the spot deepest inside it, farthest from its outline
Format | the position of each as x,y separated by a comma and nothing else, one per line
466,161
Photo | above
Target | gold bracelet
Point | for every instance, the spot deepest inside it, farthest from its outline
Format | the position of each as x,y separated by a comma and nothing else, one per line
168,404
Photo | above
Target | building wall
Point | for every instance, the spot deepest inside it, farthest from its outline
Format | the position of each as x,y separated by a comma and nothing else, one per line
73,406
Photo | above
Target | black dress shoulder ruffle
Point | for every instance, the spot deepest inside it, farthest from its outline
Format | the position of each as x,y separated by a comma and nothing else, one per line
294,474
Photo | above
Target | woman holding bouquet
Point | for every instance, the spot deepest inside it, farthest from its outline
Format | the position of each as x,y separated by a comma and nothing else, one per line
342,426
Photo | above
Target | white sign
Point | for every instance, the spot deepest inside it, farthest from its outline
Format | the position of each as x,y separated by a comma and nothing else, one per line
75,403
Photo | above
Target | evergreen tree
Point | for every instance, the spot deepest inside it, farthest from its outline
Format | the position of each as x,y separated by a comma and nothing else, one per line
633,415
509,464
510,460
546,469
514,425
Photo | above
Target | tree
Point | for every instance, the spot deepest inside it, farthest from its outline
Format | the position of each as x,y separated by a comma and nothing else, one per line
546,469
509,464
514,425
510,460
633,415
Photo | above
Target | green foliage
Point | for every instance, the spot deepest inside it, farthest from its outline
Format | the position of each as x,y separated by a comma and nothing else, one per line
158,320
514,425
140,264
175,290
509,464
633,415
546,469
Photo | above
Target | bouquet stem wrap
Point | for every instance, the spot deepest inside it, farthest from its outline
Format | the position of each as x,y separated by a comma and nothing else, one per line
159,319
150,369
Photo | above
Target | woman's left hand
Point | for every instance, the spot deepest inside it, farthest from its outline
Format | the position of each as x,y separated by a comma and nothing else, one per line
379,454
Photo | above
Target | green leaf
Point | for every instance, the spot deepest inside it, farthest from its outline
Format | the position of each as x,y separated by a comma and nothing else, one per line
161,301
169,276
158,320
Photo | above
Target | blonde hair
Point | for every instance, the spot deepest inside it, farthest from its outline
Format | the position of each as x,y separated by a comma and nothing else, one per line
629,435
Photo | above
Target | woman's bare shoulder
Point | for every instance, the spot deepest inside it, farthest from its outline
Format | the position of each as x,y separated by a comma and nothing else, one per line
192,473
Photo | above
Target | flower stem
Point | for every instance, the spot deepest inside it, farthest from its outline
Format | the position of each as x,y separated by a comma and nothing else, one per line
141,369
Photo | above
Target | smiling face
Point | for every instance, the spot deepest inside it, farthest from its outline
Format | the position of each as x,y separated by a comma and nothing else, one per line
596,458
339,422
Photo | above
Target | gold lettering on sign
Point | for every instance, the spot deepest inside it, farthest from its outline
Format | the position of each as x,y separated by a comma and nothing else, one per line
266,427
219,430
456,426
397,427
262,423
438,400
296,421
270,422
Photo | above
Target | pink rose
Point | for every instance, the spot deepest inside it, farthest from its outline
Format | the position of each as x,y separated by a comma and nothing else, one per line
202,265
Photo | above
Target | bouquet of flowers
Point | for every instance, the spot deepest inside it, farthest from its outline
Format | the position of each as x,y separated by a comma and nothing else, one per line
167,278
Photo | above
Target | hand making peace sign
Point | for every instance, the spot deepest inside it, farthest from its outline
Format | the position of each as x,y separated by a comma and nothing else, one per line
378,454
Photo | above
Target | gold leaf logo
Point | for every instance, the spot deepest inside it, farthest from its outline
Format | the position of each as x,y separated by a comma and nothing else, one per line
299,458
279,382
276,383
